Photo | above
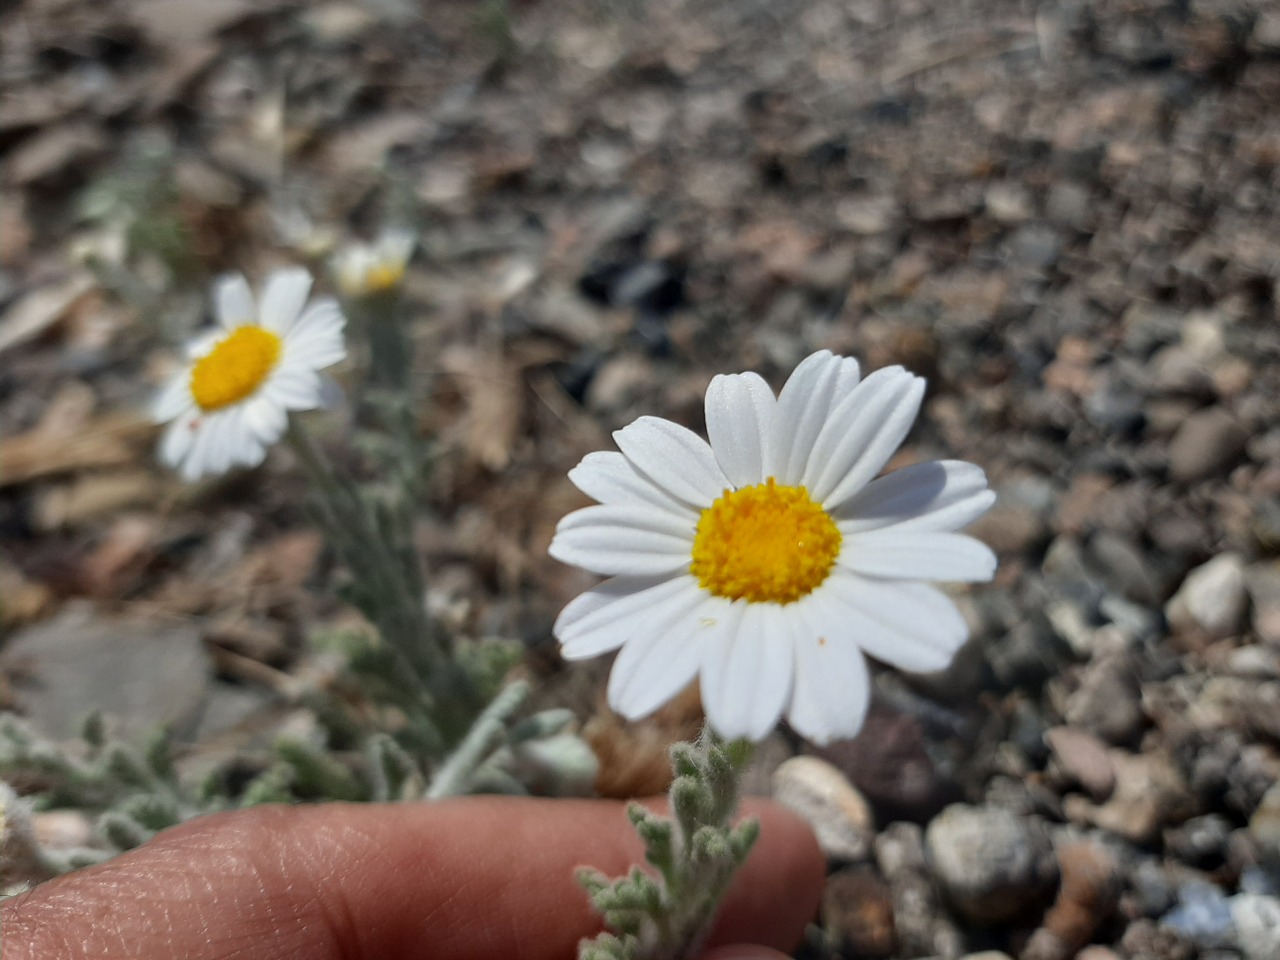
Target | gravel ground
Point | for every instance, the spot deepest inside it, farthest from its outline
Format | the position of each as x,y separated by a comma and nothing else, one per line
1065,214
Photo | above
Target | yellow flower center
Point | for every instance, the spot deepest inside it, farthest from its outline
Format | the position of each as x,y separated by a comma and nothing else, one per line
383,277
764,544
235,368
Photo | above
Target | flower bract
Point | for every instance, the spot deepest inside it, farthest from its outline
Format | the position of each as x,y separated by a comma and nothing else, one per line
770,561
231,401
365,269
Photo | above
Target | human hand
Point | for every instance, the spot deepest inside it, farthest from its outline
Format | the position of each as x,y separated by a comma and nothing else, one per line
476,879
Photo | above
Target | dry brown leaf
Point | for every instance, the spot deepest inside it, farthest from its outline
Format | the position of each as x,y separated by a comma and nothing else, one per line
53,151
122,555
89,497
178,21
363,147
22,600
40,309
111,440
491,386
634,757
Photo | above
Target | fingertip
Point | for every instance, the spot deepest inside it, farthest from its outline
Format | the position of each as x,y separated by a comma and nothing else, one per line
779,889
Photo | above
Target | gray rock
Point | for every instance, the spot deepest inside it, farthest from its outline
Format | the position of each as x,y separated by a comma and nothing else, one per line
1097,952
1262,580
1070,203
1108,701
1265,37
1153,892
1257,922
1126,568
1208,443
1264,824
839,815
1009,203
1177,372
1036,246
1083,758
992,864
1203,916
868,216
1201,842
144,674
923,926
1150,793
1212,598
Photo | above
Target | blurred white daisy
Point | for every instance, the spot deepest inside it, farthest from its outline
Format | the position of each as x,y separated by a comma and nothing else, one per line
364,269
769,561
231,401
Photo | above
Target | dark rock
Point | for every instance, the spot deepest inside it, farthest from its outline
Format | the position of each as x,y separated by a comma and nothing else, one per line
889,761
1108,701
1125,566
1201,842
1087,896
857,913
1207,444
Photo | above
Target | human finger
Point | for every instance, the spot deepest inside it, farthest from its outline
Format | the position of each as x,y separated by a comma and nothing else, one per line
473,879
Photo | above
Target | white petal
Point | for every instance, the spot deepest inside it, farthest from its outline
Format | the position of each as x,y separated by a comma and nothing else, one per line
604,617
832,689
265,419
661,659
802,408
636,541
178,438
316,353
195,462
912,555
203,344
233,301
174,397
217,441
320,320
861,434
610,478
942,496
746,669
911,626
293,387
283,297
740,425
675,458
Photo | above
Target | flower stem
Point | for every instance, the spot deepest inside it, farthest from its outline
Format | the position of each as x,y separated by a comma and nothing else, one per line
370,541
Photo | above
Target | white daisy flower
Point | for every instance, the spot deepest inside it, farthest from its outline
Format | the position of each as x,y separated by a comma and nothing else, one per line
364,269
232,399
768,562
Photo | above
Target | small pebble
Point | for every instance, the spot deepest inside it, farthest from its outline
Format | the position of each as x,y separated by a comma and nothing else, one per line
1257,922
1212,598
1203,916
1207,444
1083,757
992,864
832,806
